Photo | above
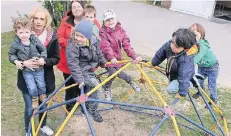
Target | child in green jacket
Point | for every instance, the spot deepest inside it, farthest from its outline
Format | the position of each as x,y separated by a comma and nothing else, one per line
207,62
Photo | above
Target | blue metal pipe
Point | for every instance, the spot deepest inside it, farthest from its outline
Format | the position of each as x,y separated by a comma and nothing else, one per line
174,102
88,119
153,115
198,115
124,104
122,108
49,97
55,106
158,125
194,123
106,109
212,113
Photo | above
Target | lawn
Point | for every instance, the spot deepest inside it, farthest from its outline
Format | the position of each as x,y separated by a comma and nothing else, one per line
13,106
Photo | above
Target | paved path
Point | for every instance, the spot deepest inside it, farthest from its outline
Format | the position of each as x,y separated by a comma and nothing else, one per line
9,9
149,27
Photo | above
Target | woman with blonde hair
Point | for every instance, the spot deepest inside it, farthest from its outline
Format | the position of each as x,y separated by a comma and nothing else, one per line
41,27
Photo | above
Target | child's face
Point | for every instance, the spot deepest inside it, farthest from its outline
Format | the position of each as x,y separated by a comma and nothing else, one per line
111,22
80,38
174,47
90,17
194,30
23,34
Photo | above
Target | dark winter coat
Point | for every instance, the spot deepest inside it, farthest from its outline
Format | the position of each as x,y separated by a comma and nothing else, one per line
81,59
112,41
182,67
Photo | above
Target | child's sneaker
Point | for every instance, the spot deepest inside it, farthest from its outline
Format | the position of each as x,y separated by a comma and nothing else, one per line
35,102
96,116
134,86
42,97
196,95
46,130
107,94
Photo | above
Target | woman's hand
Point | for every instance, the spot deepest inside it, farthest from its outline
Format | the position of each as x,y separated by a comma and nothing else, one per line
31,63
41,61
18,64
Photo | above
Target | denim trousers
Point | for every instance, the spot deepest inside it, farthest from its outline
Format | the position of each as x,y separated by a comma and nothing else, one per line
35,82
212,75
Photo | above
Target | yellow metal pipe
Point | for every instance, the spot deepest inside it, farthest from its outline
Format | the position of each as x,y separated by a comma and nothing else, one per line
122,61
108,79
175,125
59,101
226,127
33,126
156,82
44,114
150,94
214,105
67,119
67,87
150,83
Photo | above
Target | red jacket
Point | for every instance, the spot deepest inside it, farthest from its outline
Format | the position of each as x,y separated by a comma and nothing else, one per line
113,40
63,34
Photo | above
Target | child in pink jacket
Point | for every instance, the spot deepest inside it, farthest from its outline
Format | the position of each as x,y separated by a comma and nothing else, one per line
113,39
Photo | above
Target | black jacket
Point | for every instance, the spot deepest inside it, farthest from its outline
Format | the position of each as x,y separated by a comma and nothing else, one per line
81,59
52,59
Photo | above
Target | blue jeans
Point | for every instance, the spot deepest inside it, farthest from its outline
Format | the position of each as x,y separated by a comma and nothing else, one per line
212,74
28,110
35,82
173,86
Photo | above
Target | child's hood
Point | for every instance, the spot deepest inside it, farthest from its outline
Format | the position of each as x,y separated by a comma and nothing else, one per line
192,51
203,42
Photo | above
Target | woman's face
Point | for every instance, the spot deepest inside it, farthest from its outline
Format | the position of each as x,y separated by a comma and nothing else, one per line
111,22
39,21
77,9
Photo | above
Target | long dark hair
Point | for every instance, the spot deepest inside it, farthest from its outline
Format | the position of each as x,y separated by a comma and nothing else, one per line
71,18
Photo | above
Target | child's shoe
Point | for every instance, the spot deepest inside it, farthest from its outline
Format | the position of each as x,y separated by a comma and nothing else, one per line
196,95
134,86
107,94
35,102
96,116
42,97
46,130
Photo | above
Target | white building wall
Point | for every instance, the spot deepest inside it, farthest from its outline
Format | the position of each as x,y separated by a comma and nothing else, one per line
203,8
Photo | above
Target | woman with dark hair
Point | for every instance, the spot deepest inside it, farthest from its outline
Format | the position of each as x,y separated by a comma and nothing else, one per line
74,16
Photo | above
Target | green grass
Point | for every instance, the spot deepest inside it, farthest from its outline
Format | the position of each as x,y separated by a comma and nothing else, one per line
13,105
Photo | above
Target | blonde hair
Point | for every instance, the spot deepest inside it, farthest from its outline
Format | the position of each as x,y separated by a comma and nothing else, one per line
21,23
47,16
89,9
